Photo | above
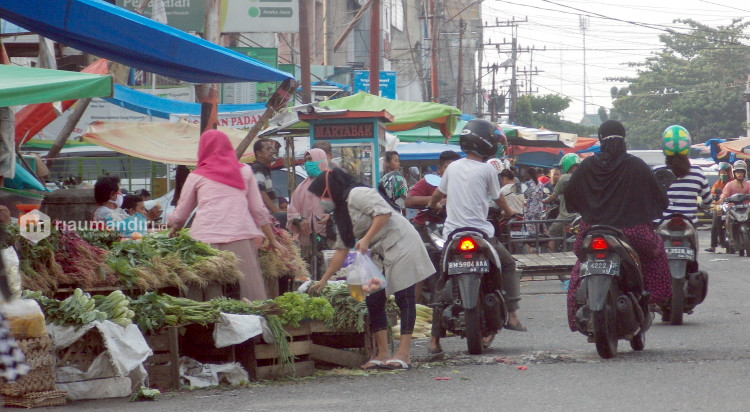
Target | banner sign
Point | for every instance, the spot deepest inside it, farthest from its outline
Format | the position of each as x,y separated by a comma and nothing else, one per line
237,120
237,16
344,131
387,83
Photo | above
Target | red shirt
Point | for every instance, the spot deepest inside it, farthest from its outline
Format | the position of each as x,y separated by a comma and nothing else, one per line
422,188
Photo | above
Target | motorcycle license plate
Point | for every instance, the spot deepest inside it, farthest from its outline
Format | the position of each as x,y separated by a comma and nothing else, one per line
601,267
680,253
468,266
518,234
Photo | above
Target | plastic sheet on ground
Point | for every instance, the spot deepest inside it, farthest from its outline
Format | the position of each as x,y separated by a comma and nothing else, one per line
199,375
114,373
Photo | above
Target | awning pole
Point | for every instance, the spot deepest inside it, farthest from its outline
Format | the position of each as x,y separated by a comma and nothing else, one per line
276,103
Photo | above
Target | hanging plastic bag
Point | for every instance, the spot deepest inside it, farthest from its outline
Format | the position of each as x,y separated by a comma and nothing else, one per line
364,277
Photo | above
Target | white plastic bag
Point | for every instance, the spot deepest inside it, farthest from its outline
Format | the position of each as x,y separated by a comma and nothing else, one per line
364,277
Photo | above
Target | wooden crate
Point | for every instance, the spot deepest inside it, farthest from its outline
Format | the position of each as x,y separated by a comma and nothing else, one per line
260,359
81,353
163,366
347,347
300,345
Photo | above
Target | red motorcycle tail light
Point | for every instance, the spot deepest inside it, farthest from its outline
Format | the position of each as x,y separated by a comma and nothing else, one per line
599,244
676,223
467,244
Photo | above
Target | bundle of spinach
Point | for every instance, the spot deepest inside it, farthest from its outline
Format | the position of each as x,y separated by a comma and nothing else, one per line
348,312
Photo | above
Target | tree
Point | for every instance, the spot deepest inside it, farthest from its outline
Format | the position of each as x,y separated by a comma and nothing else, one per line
544,111
696,81
602,113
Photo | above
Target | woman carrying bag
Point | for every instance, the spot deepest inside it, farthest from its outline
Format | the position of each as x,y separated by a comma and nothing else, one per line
361,213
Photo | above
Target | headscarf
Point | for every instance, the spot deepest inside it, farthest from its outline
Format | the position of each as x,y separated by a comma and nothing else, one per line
613,187
336,184
305,204
217,160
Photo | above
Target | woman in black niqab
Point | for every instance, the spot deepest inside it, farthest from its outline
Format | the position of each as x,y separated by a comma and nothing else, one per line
338,184
618,189
613,187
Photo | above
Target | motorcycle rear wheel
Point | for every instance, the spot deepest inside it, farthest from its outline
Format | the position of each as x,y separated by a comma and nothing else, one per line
473,319
678,301
605,329
746,243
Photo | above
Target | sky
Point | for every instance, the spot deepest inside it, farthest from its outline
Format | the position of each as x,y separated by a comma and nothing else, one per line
617,32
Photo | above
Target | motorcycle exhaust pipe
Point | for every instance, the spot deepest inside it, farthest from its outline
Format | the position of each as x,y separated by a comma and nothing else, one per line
583,319
639,314
697,285
627,318
493,310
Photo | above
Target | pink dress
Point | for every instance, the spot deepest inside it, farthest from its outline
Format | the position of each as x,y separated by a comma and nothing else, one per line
228,218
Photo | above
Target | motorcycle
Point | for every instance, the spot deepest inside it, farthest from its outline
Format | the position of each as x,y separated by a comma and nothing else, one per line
689,286
508,230
612,298
737,229
468,305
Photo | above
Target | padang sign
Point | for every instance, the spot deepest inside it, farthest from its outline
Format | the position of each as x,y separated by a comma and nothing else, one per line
237,120
344,131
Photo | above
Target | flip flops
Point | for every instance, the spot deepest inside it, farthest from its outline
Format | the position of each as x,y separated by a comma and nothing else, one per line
401,365
374,364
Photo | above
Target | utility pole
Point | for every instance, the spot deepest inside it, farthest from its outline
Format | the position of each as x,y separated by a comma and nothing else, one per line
374,48
746,98
513,24
480,95
459,88
531,71
304,51
208,93
434,91
584,23
512,111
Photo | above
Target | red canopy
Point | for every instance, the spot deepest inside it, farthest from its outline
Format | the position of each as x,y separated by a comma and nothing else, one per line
582,143
34,117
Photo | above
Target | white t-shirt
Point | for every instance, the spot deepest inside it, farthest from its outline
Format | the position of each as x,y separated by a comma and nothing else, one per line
514,196
467,183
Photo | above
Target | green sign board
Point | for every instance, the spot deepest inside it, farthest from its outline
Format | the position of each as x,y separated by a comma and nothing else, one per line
258,92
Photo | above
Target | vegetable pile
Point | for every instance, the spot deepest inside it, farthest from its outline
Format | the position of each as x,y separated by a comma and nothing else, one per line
349,313
76,310
158,261
275,264
422,327
97,258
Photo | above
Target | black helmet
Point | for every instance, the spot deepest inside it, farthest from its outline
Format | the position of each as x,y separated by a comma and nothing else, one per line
478,137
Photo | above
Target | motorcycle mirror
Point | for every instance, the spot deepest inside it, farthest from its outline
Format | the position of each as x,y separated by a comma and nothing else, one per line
665,177
433,180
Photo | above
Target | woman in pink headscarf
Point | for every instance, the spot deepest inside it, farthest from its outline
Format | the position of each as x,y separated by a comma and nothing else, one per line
304,213
230,215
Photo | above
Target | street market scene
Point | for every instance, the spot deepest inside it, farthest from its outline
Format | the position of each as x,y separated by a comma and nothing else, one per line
374,205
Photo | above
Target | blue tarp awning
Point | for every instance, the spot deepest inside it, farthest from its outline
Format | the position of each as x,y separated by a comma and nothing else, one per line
424,150
156,106
108,31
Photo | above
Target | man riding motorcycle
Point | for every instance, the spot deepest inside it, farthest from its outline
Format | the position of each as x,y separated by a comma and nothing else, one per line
418,197
617,189
717,222
467,183
738,185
